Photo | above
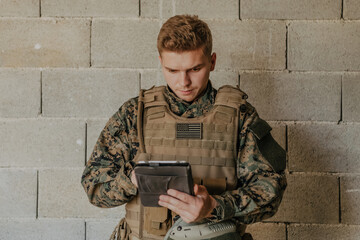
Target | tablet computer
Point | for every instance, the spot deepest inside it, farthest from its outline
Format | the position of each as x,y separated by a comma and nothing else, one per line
154,178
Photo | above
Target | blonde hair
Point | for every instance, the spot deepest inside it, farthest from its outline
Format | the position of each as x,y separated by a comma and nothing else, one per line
184,33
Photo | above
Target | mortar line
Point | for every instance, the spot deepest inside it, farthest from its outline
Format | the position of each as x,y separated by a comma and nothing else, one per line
139,8
339,182
342,10
341,100
85,229
39,8
37,194
286,231
239,9
91,20
41,93
85,141
239,77
286,47
140,81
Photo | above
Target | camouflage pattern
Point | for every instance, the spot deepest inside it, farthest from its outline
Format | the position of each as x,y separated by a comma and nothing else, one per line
106,178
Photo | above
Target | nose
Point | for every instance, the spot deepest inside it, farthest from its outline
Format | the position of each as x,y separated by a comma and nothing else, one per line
184,79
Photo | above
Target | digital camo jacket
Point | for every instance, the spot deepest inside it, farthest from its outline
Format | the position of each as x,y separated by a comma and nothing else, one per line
106,178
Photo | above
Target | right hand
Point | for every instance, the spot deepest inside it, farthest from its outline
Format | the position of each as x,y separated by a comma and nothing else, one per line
133,178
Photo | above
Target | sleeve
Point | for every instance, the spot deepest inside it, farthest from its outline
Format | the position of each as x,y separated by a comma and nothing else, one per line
260,172
106,178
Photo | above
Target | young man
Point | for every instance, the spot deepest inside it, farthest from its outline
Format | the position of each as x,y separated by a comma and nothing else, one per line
237,165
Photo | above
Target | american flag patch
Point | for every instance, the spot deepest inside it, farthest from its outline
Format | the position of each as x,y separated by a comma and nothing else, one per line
188,130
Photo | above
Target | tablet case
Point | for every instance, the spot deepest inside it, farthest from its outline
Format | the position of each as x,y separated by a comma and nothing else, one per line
155,178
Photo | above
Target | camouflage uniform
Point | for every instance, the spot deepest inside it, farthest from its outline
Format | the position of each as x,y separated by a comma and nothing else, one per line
106,178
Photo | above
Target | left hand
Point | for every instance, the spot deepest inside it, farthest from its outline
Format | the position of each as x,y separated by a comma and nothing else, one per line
189,208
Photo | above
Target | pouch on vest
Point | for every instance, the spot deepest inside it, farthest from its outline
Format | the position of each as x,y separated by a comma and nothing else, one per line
157,220
267,145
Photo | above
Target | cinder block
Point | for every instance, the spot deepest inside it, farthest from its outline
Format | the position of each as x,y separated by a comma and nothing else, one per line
279,133
324,46
294,96
350,198
94,128
289,9
226,9
18,193
351,97
310,199
323,232
61,195
126,43
249,44
43,229
152,77
44,42
351,9
324,148
220,78
24,8
100,229
267,231
19,93
87,93
42,143
92,8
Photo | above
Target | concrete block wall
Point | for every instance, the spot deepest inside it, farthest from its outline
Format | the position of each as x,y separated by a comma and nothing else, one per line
67,66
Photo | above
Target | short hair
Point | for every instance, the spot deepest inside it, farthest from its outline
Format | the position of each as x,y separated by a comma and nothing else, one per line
185,33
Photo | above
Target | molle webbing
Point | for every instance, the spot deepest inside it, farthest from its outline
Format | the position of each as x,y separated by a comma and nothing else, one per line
212,153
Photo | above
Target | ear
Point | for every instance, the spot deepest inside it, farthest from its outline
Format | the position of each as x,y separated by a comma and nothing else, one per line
160,59
213,61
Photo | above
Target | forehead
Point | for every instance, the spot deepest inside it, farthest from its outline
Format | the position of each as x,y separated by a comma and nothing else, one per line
183,60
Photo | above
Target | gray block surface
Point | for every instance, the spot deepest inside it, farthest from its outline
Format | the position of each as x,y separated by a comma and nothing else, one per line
323,232
290,9
90,8
69,200
350,198
100,229
87,92
351,97
267,231
324,148
19,93
352,9
42,143
309,199
43,229
294,96
124,43
44,42
17,193
249,44
324,46
225,9
23,8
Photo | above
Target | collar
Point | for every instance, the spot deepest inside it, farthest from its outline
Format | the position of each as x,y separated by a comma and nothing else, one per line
198,107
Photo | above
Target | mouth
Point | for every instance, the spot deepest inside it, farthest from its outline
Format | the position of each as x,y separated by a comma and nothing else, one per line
185,92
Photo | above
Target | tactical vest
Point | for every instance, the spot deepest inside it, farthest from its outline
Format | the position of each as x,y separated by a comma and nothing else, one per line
208,143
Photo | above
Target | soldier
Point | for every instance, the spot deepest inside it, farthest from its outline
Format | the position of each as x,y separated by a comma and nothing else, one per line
237,166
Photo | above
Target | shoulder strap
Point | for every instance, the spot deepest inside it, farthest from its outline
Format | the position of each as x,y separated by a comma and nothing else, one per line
230,96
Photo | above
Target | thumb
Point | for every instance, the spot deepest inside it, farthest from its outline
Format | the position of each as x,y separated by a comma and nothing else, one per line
196,189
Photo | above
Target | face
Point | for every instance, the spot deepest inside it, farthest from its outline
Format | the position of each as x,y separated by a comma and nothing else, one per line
187,73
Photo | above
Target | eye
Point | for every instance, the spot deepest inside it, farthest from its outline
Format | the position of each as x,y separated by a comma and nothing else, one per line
172,70
196,69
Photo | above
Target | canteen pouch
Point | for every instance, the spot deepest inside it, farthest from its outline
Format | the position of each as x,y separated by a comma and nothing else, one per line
155,178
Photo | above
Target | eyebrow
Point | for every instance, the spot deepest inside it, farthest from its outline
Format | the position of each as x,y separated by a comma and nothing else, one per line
197,66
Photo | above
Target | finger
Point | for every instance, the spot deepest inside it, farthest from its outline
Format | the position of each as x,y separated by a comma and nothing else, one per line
184,197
